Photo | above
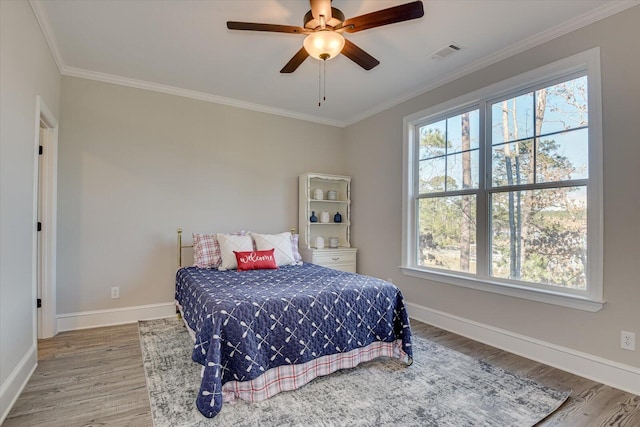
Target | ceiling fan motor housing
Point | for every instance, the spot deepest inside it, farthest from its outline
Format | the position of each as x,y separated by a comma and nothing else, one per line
337,18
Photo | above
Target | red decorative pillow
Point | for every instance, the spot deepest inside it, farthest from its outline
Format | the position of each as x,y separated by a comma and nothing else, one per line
256,260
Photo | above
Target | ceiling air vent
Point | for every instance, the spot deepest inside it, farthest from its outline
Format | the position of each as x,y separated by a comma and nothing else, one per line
446,51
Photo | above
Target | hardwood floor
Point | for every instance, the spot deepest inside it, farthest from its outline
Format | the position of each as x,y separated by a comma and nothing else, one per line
91,377
94,377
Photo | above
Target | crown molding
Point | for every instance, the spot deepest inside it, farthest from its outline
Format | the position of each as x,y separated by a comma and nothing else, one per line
583,20
201,96
578,22
45,27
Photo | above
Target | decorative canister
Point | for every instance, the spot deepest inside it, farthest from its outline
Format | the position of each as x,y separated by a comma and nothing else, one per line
332,195
324,216
313,217
318,194
319,242
337,217
333,242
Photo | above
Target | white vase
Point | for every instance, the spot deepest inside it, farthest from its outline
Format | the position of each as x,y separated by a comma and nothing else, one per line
319,242
318,194
324,217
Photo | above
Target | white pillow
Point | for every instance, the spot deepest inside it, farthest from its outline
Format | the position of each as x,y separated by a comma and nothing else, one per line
280,242
228,244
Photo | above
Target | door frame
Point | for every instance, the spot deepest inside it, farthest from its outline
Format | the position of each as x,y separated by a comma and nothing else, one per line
48,192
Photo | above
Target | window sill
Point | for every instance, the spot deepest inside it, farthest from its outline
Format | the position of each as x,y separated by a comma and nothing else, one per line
565,300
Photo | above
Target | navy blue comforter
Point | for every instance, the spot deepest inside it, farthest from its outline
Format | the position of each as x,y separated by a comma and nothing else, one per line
250,321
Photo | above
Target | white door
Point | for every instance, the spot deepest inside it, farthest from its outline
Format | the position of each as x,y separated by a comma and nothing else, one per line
39,240
45,207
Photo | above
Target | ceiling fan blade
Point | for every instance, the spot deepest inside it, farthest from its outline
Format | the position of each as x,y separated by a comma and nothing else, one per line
404,12
358,55
296,61
321,7
273,28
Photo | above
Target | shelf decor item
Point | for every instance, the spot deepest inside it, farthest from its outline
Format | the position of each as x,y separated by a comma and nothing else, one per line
333,242
319,242
332,195
324,217
337,217
318,194
313,217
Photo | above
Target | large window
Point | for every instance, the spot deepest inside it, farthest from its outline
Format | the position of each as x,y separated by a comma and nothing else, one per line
503,187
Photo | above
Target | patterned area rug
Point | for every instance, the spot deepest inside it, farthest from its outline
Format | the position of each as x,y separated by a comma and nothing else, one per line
441,388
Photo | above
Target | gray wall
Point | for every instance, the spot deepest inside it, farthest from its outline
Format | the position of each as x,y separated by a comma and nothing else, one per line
374,159
134,165
27,70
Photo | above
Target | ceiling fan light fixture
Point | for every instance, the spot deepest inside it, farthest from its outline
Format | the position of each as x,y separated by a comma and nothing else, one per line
324,44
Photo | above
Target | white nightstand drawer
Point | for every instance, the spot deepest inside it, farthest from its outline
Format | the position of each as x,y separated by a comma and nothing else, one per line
340,259
334,257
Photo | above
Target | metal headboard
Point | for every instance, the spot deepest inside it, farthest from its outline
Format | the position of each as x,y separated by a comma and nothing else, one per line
181,247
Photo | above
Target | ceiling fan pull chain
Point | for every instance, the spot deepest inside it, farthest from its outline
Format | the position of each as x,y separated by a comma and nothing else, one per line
324,80
319,83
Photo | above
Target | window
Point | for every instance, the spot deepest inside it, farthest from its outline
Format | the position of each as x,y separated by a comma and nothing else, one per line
503,187
448,158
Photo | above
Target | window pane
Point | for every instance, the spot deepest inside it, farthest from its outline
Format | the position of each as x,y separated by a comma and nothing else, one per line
512,164
462,170
563,156
433,139
432,175
447,233
540,236
462,132
563,106
512,119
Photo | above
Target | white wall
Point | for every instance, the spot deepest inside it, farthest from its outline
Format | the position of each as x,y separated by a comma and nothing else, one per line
27,70
134,165
374,159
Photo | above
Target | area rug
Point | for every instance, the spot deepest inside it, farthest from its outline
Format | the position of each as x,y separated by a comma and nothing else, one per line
441,388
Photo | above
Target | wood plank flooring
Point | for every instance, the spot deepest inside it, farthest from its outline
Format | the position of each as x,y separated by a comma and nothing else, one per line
94,377
90,377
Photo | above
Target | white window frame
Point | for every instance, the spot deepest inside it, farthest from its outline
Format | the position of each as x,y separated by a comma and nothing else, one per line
591,299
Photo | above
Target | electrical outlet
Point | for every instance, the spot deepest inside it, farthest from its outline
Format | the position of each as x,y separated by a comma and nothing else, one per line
627,340
115,292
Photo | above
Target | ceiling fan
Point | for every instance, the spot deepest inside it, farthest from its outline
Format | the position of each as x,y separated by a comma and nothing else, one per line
324,25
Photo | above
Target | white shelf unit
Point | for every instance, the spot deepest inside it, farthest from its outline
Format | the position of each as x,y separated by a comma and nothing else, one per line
343,257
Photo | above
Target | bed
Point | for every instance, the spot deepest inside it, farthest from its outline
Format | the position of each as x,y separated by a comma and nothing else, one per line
259,332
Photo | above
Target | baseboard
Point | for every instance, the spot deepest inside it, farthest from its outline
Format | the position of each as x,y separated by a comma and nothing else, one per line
611,373
16,381
114,316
